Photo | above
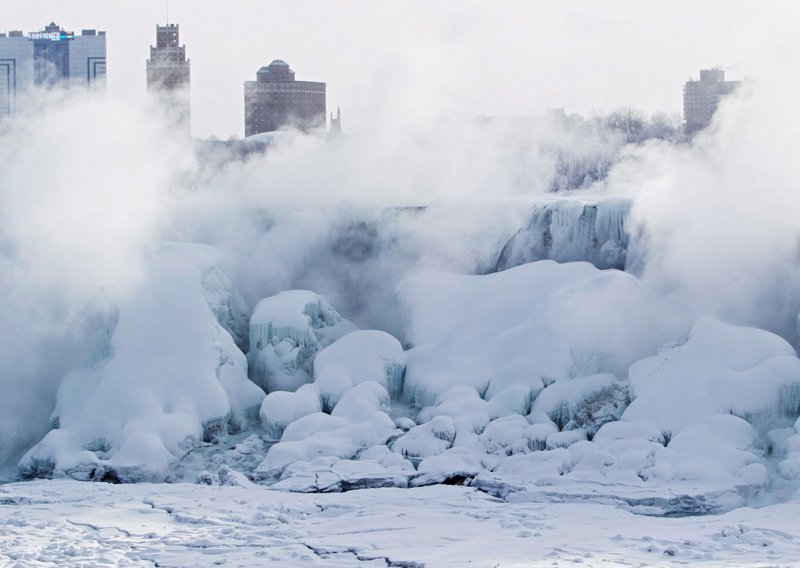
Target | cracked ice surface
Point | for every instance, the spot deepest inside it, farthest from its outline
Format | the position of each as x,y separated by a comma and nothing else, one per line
66,524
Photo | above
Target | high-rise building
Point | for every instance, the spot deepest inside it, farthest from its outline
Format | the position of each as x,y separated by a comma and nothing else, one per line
168,74
275,100
49,58
336,121
701,98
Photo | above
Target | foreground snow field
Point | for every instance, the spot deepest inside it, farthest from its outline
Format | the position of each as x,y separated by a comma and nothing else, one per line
68,523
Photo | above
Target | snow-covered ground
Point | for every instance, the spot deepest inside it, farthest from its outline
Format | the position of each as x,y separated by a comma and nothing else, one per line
68,523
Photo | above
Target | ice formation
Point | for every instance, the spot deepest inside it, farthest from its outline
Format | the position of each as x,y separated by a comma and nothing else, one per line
342,443
569,230
786,443
286,332
522,382
429,439
172,377
584,402
227,304
352,380
542,381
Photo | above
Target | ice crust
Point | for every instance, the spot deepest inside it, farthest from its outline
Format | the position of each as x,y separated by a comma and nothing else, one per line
173,376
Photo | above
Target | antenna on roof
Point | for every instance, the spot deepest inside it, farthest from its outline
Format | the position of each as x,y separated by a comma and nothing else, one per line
167,12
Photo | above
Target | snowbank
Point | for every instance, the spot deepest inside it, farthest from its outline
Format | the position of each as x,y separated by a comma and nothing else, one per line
721,369
528,326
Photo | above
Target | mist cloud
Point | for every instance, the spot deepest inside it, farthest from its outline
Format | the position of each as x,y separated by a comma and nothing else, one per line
89,184
84,192
721,213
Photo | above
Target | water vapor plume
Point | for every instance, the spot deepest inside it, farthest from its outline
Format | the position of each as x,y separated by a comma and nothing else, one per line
84,192
720,213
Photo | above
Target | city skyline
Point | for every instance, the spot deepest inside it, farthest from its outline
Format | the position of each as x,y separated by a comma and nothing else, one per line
417,62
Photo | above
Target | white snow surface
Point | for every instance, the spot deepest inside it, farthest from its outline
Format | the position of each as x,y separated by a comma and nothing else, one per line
172,374
64,523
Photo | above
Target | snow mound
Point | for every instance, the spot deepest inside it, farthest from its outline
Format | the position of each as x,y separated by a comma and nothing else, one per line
311,424
726,449
528,326
362,401
281,408
356,358
172,377
721,369
343,443
453,466
286,332
464,406
506,436
352,376
429,439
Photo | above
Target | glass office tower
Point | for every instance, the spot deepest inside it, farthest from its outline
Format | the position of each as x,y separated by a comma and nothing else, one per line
49,58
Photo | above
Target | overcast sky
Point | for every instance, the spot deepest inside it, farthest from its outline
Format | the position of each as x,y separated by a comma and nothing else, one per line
419,59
